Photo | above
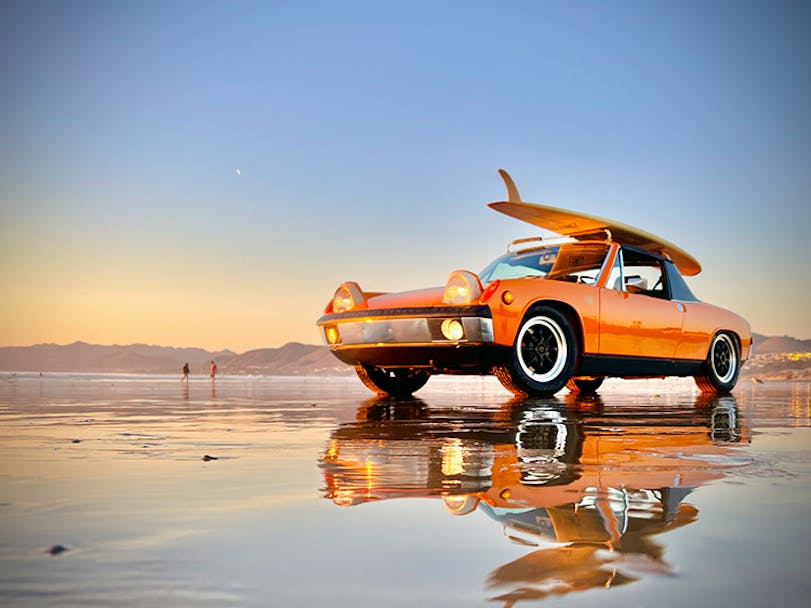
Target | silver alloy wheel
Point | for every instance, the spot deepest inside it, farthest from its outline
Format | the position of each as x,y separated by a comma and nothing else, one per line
541,348
723,358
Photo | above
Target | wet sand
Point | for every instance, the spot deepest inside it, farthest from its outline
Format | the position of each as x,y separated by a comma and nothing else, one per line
141,491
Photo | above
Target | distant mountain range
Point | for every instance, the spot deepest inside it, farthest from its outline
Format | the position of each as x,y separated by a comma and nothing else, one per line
765,345
293,359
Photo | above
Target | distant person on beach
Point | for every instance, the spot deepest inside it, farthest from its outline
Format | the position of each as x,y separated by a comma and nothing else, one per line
213,371
185,377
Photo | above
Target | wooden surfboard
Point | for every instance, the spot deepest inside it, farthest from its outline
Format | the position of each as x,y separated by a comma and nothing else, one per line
582,226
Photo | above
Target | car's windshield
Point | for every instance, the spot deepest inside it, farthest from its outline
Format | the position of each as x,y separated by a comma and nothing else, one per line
576,262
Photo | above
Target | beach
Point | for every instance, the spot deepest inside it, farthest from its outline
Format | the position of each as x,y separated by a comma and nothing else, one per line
140,490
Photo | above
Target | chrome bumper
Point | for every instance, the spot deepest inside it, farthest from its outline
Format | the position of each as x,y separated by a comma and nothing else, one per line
407,331
407,327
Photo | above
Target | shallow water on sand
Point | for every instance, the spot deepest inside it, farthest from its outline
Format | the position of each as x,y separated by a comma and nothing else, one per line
137,490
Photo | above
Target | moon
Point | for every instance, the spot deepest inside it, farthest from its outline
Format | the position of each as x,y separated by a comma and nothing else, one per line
238,173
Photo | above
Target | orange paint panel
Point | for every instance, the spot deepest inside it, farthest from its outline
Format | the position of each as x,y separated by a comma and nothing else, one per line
638,325
702,322
432,296
527,292
605,462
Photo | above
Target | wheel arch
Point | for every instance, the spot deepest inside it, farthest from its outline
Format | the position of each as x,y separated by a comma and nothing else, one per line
722,330
568,311
535,380
709,379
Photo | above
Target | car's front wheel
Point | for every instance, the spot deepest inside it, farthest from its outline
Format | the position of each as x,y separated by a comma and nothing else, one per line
543,356
395,382
720,370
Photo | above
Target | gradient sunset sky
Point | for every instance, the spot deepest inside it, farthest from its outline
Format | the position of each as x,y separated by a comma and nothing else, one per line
206,173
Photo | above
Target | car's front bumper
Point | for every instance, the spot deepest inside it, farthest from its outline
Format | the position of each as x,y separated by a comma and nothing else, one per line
412,337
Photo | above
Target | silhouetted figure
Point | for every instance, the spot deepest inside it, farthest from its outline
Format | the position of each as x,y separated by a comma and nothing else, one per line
185,377
213,371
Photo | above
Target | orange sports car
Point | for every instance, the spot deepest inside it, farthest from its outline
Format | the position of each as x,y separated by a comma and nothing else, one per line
602,299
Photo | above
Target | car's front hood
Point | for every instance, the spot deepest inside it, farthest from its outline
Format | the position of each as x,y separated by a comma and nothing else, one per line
431,296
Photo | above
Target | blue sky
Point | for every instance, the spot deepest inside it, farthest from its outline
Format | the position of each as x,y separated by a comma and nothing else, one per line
367,138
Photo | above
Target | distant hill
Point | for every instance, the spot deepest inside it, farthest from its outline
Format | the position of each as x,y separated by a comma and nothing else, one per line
765,345
290,359
293,359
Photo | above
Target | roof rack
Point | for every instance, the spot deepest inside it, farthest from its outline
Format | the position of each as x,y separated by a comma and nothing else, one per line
553,240
602,234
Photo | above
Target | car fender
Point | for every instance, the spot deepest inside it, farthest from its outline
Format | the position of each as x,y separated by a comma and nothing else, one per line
702,322
582,300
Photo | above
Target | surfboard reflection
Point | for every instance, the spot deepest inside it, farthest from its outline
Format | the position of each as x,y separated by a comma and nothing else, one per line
583,486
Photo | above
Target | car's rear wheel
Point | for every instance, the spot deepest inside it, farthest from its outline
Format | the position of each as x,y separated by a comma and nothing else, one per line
542,357
585,386
720,370
395,382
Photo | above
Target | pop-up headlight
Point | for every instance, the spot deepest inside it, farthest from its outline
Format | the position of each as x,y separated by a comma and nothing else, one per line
462,287
347,297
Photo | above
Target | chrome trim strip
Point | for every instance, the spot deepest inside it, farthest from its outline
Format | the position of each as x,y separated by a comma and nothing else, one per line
429,312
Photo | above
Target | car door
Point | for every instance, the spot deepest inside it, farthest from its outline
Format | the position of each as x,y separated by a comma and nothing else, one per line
637,316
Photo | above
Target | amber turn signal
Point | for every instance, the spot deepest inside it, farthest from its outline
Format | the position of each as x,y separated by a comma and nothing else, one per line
507,297
331,334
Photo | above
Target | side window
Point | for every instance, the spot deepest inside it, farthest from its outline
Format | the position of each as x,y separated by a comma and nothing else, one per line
643,274
678,288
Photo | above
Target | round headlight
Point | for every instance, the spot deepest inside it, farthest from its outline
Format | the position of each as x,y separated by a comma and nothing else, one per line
461,504
344,498
452,329
462,287
342,301
348,296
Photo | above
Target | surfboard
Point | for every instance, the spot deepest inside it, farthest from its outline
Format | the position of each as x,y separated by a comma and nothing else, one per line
582,227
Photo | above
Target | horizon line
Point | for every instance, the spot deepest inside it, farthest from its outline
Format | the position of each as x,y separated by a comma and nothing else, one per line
220,350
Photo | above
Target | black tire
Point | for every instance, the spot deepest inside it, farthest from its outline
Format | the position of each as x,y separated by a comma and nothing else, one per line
720,371
543,356
395,382
584,386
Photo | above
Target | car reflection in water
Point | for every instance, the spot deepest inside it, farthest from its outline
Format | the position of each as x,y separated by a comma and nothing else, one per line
587,486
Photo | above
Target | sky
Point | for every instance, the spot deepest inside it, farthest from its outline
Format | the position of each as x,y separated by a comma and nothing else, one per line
207,173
